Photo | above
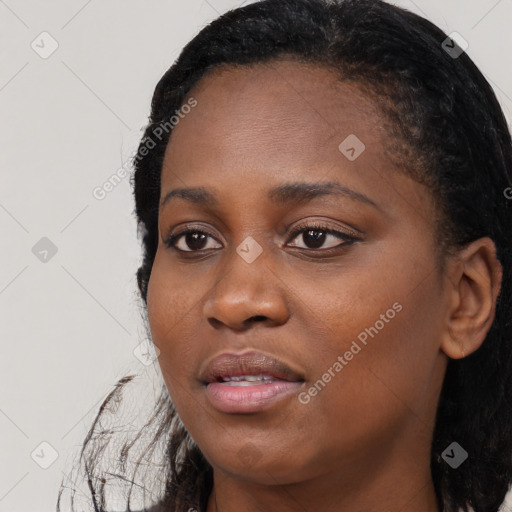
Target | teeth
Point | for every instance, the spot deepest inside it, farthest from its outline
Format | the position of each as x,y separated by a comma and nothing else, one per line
247,380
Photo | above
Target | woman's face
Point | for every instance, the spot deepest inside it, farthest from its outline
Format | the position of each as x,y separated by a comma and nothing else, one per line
356,314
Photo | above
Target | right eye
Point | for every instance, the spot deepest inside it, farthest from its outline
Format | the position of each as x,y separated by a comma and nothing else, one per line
195,239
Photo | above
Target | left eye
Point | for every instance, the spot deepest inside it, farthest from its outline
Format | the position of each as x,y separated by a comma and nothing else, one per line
315,236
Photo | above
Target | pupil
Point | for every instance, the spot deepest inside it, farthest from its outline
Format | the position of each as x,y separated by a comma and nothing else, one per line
195,240
318,241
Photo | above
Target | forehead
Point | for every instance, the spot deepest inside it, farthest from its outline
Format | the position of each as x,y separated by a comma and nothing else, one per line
274,118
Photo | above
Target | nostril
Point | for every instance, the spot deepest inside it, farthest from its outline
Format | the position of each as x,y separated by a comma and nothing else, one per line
257,318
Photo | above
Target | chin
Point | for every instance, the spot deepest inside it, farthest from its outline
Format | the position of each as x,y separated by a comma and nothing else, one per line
267,468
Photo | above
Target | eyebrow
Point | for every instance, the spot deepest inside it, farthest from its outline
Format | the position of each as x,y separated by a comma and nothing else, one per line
296,192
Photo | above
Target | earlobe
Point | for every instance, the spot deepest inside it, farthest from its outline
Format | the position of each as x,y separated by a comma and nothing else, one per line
475,280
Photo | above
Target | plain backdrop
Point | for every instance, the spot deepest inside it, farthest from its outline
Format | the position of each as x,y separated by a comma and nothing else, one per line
76,80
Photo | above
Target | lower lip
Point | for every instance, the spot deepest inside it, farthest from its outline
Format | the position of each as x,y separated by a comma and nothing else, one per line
247,399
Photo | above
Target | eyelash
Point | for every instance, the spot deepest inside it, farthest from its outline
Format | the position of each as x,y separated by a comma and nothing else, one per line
347,240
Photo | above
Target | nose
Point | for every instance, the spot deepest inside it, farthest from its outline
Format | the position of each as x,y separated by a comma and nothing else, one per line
247,293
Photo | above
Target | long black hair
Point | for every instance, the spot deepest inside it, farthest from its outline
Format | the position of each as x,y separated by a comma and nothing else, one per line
449,133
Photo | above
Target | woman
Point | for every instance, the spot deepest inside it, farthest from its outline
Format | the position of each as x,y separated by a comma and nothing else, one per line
322,192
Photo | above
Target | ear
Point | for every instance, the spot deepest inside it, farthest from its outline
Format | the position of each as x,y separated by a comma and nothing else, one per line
474,280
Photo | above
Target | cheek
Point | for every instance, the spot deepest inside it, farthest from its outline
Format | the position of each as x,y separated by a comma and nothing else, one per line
170,299
388,346
170,306
160,306
385,323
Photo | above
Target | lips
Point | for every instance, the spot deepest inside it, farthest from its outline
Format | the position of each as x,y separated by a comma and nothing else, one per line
249,383
258,366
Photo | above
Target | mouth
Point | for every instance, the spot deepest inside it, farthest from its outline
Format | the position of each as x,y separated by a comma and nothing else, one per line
248,382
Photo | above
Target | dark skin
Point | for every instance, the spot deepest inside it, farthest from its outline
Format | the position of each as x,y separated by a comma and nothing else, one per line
363,443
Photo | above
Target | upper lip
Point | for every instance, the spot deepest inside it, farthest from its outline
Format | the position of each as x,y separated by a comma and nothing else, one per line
247,363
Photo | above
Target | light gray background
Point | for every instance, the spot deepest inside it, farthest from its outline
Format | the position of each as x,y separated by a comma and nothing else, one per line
69,325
